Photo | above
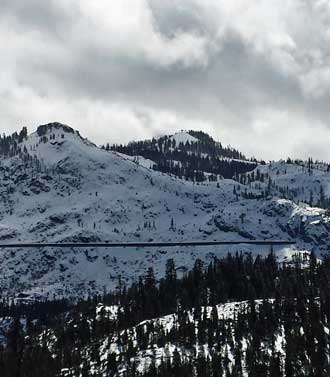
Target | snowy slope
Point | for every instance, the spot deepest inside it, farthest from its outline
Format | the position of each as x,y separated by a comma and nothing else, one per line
74,191
183,137
294,181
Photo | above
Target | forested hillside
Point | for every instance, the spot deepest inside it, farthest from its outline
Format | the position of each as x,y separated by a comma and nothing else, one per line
237,316
192,155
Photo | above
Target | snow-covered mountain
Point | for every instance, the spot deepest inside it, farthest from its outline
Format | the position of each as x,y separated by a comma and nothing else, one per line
59,187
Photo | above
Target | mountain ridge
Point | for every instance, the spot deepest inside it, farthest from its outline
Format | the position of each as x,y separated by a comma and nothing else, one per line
59,186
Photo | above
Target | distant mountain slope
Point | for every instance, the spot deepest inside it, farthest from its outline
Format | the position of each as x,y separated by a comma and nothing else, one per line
57,186
301,181
193,155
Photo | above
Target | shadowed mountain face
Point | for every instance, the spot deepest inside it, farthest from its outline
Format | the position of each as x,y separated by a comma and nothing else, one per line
56,186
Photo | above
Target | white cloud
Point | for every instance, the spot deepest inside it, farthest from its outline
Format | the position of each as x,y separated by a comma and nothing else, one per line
281,134
254,73
127,28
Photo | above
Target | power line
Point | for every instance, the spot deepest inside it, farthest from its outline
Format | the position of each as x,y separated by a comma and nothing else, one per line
39,245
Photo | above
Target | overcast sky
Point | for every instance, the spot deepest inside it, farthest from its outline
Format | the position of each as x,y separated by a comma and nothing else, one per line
253,73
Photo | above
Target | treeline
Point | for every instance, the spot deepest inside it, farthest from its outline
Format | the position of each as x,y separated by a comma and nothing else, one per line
189,160
75,339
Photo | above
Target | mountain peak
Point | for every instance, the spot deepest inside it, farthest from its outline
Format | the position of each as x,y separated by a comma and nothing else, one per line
49,127
56,141
183,137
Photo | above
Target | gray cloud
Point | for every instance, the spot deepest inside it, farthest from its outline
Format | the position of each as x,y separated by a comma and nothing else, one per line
254,74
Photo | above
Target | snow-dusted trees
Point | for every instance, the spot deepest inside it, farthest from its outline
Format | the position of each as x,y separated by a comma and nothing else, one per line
235,314
10,145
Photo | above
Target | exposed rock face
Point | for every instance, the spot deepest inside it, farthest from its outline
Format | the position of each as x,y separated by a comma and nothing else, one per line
50,127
